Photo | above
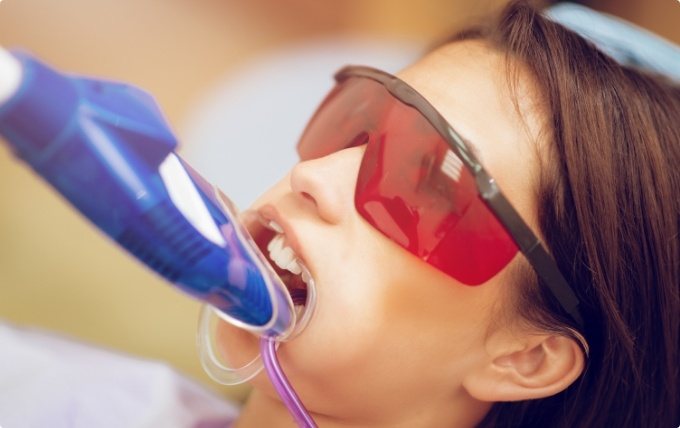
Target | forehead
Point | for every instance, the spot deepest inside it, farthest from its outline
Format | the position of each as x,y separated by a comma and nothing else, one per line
467,82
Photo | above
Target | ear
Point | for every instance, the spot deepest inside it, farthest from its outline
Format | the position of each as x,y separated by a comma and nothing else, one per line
525,367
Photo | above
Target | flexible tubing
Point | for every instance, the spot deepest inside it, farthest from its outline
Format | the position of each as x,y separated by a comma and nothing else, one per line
10,75
282,386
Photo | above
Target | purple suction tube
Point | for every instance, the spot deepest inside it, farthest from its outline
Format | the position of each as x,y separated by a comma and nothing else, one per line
282,385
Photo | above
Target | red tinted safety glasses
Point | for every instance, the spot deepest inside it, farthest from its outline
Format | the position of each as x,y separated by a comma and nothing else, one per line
421,185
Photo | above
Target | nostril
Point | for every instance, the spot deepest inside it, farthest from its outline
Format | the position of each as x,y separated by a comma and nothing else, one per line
360,139
308,197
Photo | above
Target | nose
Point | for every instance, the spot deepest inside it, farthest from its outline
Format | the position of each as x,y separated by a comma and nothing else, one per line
328,183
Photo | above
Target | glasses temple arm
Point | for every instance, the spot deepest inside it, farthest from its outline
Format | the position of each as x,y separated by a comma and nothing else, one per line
529,244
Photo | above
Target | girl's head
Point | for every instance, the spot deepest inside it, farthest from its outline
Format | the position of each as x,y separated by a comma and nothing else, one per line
585,151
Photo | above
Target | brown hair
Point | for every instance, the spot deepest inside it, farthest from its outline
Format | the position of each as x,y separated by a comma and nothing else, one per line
609,210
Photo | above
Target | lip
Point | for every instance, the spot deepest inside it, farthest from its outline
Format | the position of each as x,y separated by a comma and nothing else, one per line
268,213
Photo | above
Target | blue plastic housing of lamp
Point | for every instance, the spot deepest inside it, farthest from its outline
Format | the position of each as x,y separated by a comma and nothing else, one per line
107,149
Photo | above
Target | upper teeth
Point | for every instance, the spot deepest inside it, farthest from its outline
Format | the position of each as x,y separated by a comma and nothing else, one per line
283,256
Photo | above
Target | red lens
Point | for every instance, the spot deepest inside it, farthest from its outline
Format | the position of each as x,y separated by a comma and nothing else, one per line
411,185
350,112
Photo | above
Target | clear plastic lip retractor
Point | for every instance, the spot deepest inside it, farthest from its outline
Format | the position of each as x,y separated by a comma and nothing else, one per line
213,358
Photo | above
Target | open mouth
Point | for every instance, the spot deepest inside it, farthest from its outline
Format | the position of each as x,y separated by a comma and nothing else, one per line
271,241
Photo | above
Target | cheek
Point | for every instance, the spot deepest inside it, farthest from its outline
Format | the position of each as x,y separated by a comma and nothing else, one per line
351,315
391,324
348,317
377,301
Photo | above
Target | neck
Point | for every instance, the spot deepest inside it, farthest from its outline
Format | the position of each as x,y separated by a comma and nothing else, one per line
262,410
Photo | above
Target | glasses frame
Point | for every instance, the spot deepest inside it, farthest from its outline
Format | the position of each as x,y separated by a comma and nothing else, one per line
527,242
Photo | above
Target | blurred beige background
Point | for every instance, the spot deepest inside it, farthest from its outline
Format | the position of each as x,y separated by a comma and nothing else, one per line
56,271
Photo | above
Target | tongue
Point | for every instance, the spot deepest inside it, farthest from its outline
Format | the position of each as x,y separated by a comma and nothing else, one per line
299,296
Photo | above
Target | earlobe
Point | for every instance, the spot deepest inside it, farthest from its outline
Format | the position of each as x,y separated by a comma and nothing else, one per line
536,367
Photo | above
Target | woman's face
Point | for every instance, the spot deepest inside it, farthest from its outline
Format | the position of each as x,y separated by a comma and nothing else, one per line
389,329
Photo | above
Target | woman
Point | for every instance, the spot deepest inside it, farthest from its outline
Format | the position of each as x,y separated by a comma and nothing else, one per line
427,314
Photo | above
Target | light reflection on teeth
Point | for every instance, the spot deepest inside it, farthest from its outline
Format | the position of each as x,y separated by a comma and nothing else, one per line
275,226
